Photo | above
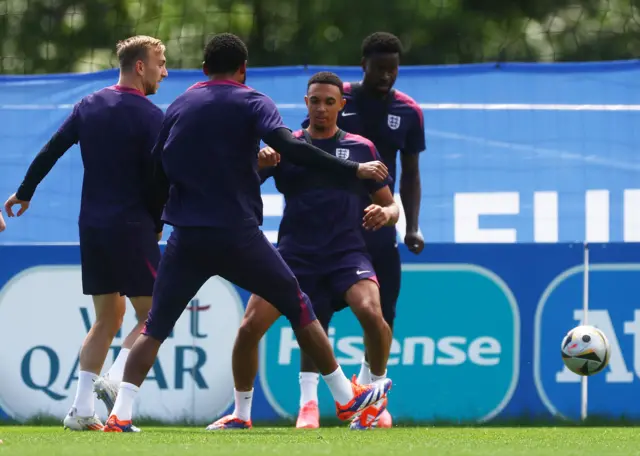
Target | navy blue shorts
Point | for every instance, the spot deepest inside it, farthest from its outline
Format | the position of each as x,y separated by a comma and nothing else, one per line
326,283
385,256
242,256
121,259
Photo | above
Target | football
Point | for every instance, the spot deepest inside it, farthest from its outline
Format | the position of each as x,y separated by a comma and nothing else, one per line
585,350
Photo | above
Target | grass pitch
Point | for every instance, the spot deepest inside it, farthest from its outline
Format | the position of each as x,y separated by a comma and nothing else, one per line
403,441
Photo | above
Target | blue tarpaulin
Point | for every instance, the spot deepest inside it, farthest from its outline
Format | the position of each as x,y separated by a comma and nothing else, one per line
561,136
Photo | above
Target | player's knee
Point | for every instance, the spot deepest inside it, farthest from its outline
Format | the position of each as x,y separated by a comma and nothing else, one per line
250,332
367,310
110,322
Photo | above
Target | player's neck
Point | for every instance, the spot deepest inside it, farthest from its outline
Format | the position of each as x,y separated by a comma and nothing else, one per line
322,134
223,77
130,83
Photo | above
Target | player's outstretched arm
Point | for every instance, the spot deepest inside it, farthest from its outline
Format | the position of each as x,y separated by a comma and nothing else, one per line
304,154
41,165
383,212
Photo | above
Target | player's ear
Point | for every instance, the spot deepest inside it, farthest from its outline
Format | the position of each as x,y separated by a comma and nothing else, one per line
204,69
343,101
363,62
139,67
306,100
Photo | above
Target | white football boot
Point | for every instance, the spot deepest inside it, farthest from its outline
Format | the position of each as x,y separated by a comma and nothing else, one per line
107,391
81,423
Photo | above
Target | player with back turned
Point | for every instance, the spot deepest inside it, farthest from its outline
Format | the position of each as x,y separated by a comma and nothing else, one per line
116,128
393,121
207,162
320,238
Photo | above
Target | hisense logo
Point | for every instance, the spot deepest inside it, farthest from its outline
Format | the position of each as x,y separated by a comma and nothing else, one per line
409,351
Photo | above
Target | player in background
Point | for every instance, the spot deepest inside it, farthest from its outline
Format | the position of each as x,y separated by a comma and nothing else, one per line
206,156
393,121
116,128
320,239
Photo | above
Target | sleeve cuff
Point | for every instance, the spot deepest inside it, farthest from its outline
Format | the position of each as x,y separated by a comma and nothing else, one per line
24,194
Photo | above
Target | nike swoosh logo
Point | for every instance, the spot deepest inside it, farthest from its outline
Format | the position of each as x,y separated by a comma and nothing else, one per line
361,272
347,114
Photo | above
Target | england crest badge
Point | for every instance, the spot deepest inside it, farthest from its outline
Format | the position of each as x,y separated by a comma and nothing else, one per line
393,122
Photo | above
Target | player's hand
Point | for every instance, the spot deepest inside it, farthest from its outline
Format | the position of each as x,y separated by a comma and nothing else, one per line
375,170
13,201
375,217
3,226
268,158
414,241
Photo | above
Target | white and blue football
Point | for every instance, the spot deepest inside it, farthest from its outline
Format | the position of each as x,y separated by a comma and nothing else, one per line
585,350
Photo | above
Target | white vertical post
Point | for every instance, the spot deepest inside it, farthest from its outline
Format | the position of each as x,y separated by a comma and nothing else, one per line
584,381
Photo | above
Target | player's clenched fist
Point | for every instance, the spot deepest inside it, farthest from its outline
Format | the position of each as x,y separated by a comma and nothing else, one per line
414,241
375,217
375,170
268,158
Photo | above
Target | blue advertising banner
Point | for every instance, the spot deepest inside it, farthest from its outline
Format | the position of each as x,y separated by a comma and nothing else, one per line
516,152
477,338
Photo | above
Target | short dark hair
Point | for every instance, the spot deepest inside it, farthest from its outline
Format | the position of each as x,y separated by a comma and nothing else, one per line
381,43
224,54
326,77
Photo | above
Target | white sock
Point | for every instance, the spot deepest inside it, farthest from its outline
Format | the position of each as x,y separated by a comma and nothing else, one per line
123,408
84,401
364,377
116,371
340,386
308,387
375,378
243,404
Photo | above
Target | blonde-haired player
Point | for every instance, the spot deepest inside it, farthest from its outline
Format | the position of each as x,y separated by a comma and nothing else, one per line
119,221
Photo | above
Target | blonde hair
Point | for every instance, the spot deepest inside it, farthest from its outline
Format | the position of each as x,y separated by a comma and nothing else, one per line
136,48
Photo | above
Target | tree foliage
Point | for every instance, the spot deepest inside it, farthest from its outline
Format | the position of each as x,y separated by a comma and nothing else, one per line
50,36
